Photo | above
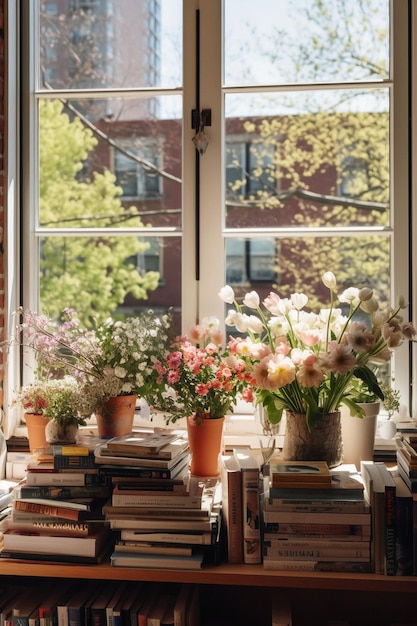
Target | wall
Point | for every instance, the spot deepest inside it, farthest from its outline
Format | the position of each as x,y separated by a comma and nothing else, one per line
2,183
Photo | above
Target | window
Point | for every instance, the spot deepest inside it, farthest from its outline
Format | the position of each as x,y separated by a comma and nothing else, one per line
306,168
138,178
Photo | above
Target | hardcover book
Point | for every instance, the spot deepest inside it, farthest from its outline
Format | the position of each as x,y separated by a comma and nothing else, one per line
403,528
380,486
90,545
157,561
251,506
144,441
307,473
231,480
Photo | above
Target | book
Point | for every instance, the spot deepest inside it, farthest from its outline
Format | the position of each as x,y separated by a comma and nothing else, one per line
380,486
280,608
26,603
305,472
251,511
64,479
72,462
157,561
162,500
47,467
64,509
345,484
181,604
70,450
62,493
403,528
123,471
318,554
292,565
90,545
152,524
61,608
231,480
146,441
150,599
271,530
117,512
126,608
163,604
98,606
166,537
312,517
117,594
409,480
53,527
54,558
79,600
143,547
103,457
313,543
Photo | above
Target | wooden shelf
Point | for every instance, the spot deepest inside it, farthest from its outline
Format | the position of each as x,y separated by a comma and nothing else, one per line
238,575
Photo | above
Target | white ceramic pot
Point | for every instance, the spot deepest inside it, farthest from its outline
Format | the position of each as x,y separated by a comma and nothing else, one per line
358,433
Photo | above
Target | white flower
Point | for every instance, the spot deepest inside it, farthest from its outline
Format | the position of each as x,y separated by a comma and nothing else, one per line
299,300
251,300
350,296
227,294
329,280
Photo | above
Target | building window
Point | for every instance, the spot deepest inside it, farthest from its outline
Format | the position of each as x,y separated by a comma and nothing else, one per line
139,178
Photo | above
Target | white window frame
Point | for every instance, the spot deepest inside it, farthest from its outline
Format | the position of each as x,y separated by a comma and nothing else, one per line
199,294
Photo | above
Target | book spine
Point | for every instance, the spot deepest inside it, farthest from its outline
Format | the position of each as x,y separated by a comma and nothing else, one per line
232,512
251,516
179,501
322,554
305,529
58,450
63,479
170,538
45,509
63,493
288,517
317,566
329,507
74,462
390,558
404,544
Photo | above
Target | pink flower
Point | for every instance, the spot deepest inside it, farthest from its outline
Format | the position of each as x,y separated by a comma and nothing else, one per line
360,338
339,359
310,375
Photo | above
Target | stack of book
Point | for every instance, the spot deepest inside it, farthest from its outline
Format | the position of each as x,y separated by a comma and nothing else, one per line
316,519
56,513
163,517
406,455
242,490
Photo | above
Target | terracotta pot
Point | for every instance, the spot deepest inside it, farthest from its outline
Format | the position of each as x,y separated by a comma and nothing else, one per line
323,443
358,434
36,425
205,438
115,417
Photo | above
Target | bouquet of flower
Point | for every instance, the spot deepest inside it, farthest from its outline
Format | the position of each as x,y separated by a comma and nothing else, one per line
304,362
115,359
199,376
61,400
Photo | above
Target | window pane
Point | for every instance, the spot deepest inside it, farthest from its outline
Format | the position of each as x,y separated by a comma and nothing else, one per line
112,44
310,159
105,276
298,265
124,171
305,41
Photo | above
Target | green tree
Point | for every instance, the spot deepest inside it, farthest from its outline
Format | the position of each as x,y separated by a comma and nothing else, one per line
330,165
96,272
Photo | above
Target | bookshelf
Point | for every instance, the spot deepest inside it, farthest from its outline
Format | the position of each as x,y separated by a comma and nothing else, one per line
243,590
